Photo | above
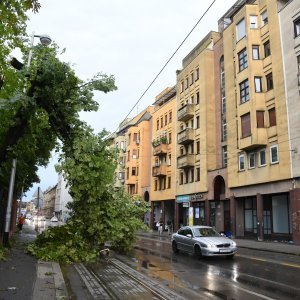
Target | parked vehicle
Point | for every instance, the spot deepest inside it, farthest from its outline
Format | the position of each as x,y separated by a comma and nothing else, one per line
54,219
202,241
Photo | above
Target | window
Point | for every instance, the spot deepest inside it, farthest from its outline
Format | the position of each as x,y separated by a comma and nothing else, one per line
157,124
222,72
240,30
243,63
224,156
181,151
198,174
224,130
223,108
297,27
134,153
166,119
133,171
267,48
264,18
186,173
253,22
127,173
255,52
246,125
128,155
197,74
257,83
169,160
170,138
198,147
272,117
244,91
169,182
197,122
197,98
182,86
181,178
155,185
241,162
269,79
262,157
161,122
186,83
192,78
274,154
192,175
129,138
251,160
260,119
192,148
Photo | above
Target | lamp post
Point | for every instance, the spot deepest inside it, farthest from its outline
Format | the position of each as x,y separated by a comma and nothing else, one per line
45,40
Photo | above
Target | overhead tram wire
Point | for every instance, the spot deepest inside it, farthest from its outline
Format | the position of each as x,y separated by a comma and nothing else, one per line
203,15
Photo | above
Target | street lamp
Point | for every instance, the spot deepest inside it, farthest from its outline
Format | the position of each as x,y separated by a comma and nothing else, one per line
45,40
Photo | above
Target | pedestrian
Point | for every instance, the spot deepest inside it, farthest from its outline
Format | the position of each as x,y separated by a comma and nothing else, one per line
160,228
21,221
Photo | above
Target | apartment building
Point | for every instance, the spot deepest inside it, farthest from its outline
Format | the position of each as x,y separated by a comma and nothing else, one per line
196,128
289,21
258,150
138,154
163,158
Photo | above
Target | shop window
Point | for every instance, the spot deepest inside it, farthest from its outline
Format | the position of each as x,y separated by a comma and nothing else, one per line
241,162
260,119
244,91
262,157
246,125
243,60
240,30
255,52
274,154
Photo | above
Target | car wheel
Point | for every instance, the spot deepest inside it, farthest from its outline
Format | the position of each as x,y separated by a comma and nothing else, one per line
174,247
230,256
198,252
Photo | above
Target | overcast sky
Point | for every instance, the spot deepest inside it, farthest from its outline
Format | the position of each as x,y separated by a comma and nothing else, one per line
130,39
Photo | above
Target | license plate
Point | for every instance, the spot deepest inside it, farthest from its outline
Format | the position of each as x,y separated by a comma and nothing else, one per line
224,250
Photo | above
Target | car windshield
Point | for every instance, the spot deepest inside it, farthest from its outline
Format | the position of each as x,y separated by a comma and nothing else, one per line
205,232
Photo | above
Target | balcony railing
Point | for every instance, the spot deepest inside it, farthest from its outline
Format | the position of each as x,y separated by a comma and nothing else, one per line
186,136
185,161
160,149
186,112
160,170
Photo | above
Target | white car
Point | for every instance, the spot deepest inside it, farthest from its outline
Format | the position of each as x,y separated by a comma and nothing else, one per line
202,241
54,219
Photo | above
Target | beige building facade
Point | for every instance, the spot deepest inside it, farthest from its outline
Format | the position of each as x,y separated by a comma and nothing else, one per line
163,181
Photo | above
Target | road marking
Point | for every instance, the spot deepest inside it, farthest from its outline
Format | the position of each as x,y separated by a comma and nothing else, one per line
290,265
253,293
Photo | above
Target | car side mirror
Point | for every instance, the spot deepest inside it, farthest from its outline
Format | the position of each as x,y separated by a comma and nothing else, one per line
189,235
222,234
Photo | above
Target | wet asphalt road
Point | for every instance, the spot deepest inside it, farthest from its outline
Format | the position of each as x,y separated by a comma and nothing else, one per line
250,275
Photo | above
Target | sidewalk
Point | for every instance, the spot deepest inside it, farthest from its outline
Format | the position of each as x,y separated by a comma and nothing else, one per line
277,247
24,277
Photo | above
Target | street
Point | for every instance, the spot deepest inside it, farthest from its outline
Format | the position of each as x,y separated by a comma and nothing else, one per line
250,275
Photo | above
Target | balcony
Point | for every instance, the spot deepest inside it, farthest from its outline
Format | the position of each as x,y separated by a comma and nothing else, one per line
256,140
186,112
160,170
185,136
186,161
160,149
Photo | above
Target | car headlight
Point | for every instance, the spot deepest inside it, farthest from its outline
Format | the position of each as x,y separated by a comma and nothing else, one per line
209,246
233,244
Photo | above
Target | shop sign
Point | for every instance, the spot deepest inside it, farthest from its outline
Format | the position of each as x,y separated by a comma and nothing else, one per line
183,198
185,204
196,197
